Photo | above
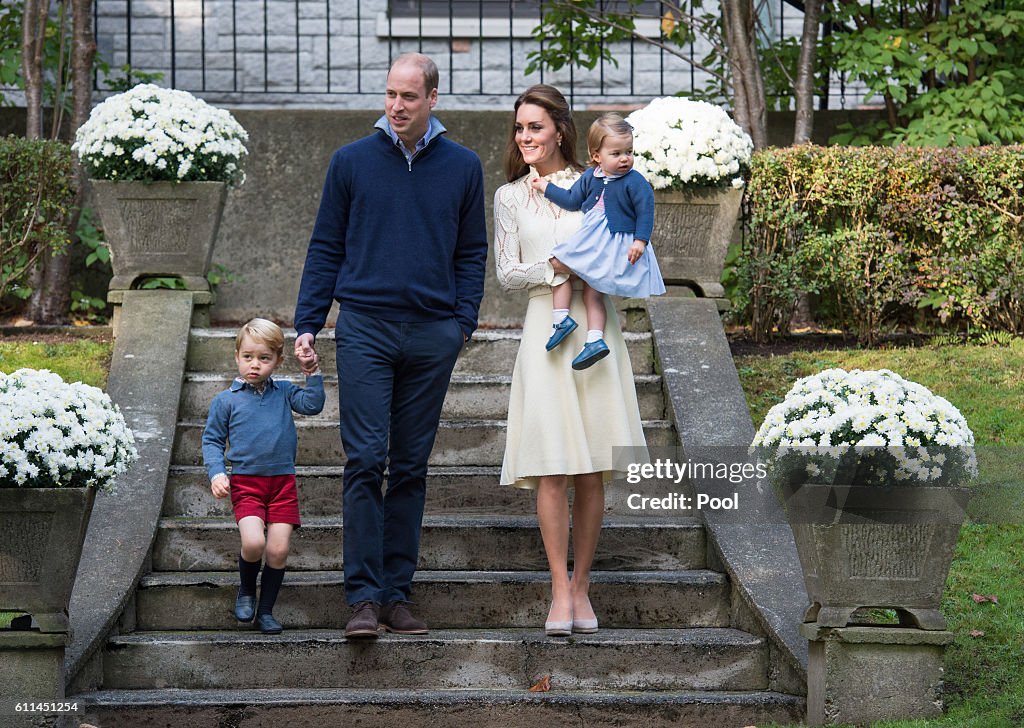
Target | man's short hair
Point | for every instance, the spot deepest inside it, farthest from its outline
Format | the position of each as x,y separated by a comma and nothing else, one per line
431,76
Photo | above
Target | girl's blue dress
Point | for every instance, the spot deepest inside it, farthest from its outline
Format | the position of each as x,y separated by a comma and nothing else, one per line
599,257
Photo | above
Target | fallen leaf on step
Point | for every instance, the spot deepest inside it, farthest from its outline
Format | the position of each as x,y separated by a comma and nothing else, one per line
979,598
543,685
976,633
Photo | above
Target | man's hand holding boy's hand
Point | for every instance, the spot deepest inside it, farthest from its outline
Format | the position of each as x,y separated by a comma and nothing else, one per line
310,363
220,485
306,355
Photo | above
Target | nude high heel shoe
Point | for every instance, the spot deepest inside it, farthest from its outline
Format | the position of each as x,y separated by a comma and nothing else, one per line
558,629
584,626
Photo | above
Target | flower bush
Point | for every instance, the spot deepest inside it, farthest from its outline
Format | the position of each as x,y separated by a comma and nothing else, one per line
54,434
681,144
865,428
155,134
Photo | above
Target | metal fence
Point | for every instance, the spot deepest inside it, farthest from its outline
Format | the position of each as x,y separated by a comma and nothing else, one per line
336,52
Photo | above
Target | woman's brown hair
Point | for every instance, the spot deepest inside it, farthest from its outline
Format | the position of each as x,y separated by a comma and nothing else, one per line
551,100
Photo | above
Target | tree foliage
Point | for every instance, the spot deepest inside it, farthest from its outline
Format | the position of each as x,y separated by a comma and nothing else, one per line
948,74
35,202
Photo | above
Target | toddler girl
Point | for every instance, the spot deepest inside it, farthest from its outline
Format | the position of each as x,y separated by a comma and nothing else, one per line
609,252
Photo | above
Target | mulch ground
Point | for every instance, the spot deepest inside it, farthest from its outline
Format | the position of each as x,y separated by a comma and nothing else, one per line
55,334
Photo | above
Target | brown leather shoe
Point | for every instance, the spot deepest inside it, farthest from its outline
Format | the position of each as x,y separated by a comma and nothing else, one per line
364,620
395,617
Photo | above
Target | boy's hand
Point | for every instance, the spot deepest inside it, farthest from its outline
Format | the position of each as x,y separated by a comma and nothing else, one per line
539,183
636,250
220,486
310,363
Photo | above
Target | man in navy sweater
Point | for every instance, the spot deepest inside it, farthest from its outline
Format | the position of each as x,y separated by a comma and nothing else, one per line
400,243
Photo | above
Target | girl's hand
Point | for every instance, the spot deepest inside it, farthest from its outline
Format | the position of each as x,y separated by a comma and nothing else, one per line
220,486
539,184
636,250
559,266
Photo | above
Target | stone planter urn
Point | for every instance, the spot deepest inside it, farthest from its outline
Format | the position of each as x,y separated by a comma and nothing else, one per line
160,229
867,546
43,531
691,236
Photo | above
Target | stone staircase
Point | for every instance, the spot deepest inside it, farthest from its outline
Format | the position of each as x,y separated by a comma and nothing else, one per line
667,653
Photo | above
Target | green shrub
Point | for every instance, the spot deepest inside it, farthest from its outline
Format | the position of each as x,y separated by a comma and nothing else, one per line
35,197
886,236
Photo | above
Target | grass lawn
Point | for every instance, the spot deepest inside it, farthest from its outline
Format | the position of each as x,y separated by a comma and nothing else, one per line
984,679
76,359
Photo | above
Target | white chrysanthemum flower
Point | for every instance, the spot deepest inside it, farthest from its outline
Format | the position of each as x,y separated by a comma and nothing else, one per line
681,143
150,127
905,432
56,434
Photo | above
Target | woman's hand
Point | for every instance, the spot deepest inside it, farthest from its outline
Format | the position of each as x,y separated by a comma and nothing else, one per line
559,266
636,250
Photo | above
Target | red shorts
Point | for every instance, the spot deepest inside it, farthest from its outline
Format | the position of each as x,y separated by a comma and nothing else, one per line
272,498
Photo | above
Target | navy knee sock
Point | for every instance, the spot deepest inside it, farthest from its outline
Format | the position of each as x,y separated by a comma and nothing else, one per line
247,572
269,587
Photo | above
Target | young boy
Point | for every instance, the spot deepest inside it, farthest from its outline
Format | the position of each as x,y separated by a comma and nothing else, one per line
254,414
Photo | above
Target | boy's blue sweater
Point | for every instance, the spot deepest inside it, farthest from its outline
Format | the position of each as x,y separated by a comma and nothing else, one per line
397,240
628,201
256,432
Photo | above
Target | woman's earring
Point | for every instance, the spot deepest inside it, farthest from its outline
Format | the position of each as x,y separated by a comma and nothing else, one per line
559,140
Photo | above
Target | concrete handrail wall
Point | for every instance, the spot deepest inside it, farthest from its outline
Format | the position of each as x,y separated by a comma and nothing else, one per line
145,380
757,550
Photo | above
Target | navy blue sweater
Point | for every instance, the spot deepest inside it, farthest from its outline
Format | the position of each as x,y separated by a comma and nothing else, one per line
628,201
396,240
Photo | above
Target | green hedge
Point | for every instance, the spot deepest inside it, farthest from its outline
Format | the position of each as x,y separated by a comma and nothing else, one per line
929,238
35,196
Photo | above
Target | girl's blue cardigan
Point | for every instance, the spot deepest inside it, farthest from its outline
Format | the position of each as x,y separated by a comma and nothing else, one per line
628,201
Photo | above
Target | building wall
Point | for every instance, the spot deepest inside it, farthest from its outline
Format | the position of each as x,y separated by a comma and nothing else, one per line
335,53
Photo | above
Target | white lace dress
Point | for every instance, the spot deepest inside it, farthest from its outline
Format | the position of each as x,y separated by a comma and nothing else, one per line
560,421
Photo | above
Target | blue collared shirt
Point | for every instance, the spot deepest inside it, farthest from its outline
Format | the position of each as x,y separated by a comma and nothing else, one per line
434,129
255,430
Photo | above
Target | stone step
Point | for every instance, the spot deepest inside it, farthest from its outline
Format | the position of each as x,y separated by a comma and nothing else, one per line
470,396
445,599
490,351
462,543
449,491
459,442
612,659
456,708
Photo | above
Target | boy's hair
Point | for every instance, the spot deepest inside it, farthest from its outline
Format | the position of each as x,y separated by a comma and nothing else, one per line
263,331
604,126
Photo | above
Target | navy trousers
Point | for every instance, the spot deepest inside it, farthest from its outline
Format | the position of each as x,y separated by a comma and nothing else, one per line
392,380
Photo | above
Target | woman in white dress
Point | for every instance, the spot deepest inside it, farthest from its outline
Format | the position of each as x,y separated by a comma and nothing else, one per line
564,426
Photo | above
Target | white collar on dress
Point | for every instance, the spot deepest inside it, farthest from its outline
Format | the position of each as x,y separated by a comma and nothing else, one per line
598,172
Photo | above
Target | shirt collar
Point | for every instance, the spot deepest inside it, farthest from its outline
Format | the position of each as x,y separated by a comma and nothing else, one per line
434,129
239,384
598,172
